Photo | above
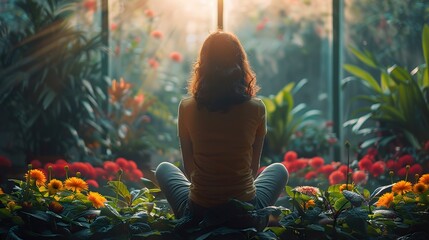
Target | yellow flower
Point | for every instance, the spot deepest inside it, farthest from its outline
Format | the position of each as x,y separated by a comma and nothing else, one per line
346,187
401,187
75,184
36,175
11,205
419,188
56,207
310,203
424,179
385,200
97,199
54,186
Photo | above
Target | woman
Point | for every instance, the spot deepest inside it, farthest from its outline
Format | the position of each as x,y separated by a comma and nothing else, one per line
221,128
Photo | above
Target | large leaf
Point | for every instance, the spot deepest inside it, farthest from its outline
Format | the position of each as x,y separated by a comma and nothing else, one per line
425,46
364,75
120,188
366,57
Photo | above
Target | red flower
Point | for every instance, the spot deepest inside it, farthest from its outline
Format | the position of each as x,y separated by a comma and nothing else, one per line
86,169
360,177
100,173
149,13
111,167
113,26
316,162
132,165
405,160
392,165
176,56
153,63
332,140
260,26
36,164
372,151
377,168
426,147
329,123
310,175
92,183
135,175
290,156
326,169
343,169
5,162
402,172
58,170
157,34
90,5
365,163
415,169
336,177
122,163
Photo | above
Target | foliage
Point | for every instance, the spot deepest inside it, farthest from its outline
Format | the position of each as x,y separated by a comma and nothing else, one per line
50,208
51,84
284,118
399,103
346,212
313,139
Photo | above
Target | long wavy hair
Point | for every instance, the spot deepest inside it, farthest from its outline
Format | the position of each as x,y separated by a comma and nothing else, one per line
222,75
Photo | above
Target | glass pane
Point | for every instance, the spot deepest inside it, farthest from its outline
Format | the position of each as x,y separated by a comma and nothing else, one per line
288,41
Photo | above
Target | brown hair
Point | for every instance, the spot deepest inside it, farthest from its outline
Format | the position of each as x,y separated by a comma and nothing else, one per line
222,75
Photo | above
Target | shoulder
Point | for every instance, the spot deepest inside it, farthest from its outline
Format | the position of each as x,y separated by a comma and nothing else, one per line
187,101
257,102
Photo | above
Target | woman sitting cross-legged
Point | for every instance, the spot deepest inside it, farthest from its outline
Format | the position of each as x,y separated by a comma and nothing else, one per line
221,128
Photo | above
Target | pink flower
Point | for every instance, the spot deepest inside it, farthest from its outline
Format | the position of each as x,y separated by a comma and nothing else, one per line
5,162
153,63
157,34
377,168
176,56
290,156
149,13
360,177
329,123
336,177
316,162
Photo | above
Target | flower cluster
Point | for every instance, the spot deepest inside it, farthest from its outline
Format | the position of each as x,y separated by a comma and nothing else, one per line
316,169
93,175
406,192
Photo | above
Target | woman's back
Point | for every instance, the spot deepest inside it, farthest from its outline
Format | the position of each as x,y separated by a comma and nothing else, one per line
222,149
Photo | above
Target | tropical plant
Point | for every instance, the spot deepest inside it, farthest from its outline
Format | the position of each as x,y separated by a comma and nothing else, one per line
399,100
284,118
51,86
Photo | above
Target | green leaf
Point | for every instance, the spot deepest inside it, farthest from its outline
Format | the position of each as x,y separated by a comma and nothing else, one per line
378,190
120,188
425,45
364,75
354,198
110,211
148,183
399,74
342,203
366,57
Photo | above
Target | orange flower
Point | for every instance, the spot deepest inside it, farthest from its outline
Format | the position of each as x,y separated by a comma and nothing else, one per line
56,207
54,186
118,89
307,190
97,199
420,188
76,184
310,203
1,191
349,187
401,187
424,178
37,176
385,200
157,34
